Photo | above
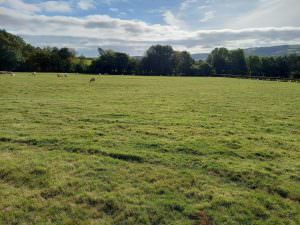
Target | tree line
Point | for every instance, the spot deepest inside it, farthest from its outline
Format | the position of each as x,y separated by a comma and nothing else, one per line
16,55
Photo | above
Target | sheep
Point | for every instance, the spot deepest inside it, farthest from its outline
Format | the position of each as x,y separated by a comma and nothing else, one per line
34,73
59,75
12,74
93,79
65,75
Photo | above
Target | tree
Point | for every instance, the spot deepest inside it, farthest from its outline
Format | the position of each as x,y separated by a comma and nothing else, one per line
219,59
121,63
15,54
182,63
268,66
81,65
158,60
237,62
113,63
11,51
201,68
40,61
101,51
105,63
133,66
51,60
294,65
254,65
65,55
9,58
282,66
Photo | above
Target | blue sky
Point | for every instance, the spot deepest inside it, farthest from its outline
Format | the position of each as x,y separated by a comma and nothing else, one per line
134,25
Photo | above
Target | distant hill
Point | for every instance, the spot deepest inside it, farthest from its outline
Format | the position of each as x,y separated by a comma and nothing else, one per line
138,57
274,51
262,51
200,56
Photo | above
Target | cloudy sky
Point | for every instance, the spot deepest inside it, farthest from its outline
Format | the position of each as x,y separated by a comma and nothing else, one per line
133,25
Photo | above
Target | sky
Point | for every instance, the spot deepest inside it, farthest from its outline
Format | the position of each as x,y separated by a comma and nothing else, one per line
132,26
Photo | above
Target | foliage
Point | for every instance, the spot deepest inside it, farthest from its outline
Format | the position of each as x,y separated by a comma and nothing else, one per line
237,62
15,54
158,60
202,68
161,60
110,62
219,59
254,65
182,63
11,51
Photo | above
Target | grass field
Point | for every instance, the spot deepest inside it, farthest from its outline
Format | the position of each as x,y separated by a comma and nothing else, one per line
148,150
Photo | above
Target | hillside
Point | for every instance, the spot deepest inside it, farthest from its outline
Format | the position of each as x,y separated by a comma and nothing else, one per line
274,51
261,51
200,56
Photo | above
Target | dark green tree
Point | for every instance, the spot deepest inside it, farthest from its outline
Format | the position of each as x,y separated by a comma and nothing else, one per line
254,65
282,67
182,63
158,60
268,66
201,68
113,63
294,65
237,62
219,59
11,51
121,63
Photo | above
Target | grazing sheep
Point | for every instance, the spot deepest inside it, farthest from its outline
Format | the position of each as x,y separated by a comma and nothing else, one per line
92,80
59,75
34,73
99,74
12,74
65,75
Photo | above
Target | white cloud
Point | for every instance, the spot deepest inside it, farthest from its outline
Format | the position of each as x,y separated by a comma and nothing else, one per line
172,20
270,13
86,4
46,6
20,5
55,6
110,2
193,13
134,36
186,4
208,16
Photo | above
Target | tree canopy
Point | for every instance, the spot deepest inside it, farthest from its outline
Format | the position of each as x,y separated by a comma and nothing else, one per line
17,55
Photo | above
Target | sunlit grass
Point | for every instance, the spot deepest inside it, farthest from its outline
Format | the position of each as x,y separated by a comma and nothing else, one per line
148,150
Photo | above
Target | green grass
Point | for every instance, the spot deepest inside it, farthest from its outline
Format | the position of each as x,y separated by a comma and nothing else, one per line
86,61
148,150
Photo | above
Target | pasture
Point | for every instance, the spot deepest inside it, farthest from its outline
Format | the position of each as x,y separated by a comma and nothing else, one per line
148,150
